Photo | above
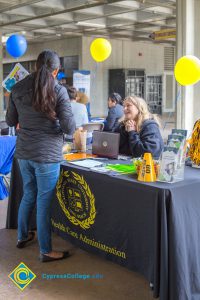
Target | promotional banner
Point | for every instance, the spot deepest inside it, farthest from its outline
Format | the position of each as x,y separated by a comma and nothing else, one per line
81,81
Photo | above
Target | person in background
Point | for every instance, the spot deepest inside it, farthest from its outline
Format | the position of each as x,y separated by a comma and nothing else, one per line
80,113
62,77
42,108
115,112
81,97
139,131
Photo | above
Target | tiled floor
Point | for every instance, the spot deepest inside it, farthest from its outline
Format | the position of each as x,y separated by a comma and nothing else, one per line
118,283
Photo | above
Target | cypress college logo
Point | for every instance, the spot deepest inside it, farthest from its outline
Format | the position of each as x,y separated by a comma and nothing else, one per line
22,276
76,199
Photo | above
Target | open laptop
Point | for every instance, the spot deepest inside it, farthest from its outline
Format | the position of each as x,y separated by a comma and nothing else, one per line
105,144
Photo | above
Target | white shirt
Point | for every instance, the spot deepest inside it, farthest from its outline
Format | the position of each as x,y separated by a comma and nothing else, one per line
79,111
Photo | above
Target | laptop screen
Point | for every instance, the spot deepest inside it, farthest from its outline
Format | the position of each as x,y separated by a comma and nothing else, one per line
105,144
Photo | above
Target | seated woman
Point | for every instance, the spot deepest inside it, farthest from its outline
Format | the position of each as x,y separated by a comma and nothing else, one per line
115,112
80,113
139,131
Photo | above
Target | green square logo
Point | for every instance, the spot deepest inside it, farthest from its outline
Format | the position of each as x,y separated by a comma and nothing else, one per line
22,276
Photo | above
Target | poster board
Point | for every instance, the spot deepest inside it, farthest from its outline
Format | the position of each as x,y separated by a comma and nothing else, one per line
81,81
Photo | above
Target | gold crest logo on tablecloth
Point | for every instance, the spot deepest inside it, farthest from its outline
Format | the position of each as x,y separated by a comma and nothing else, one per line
76,199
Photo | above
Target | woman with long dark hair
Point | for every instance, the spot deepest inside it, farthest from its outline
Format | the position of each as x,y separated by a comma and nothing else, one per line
42,108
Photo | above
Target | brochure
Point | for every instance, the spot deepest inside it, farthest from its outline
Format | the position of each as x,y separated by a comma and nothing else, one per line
78,156
175,140
172,162
170,168
18,73
179,142
87,163
123,169
181,132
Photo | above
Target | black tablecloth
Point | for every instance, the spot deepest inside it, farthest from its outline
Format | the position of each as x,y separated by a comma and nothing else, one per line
15,195
150,228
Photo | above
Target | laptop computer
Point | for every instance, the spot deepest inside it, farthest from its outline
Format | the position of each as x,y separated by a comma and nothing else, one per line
105,144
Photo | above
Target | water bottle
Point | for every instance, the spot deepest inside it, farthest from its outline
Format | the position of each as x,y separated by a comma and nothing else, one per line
11,131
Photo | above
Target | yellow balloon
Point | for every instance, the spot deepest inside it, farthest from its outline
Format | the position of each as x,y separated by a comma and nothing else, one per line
100,49
187,70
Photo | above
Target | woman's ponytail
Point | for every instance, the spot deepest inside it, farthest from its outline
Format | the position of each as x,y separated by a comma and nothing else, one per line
44,99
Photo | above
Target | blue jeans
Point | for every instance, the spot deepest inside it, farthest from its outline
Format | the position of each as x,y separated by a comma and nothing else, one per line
39,182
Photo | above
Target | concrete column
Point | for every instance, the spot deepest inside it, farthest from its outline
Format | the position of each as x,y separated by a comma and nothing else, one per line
1,79
187,44
197,54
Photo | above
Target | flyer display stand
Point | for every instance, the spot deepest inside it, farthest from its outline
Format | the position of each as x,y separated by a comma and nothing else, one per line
172,164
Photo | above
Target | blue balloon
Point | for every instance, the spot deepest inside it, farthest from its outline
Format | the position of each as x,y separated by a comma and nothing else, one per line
16,45
61,75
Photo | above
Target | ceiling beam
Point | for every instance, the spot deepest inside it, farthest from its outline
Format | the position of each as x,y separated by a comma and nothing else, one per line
92,18
109,35
11,7
109,15
54,13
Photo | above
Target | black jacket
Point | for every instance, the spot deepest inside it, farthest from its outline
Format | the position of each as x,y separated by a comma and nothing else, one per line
39,139
147,140
114,114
